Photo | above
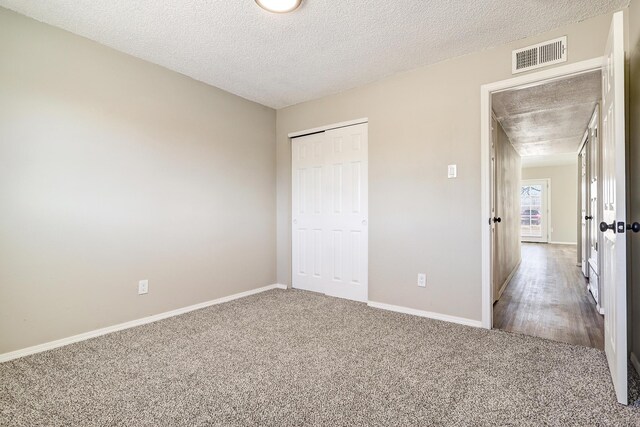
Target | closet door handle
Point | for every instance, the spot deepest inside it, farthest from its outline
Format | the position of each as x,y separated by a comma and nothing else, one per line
588,217
497,219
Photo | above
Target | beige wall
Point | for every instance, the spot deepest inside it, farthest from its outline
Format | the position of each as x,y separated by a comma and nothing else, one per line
634,170
114,170
563,221
420,221
507,232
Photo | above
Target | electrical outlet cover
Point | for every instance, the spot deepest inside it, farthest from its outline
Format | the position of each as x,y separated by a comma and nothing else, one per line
422,280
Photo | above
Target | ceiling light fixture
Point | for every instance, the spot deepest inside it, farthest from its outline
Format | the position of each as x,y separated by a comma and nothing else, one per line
279,6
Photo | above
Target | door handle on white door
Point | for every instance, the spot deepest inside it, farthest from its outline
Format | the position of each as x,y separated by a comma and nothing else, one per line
295,221
604,226
364,222
635,227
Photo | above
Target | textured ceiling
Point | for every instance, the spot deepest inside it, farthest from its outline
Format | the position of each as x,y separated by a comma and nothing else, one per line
550,118
324,47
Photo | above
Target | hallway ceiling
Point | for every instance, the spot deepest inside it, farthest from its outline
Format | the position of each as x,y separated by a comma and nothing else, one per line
324,47
548,119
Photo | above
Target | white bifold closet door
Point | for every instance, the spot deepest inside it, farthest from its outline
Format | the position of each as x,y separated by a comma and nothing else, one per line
330,212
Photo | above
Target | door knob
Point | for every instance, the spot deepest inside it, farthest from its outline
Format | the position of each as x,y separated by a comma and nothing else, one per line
635,227
588,217
497,219
604,226
364,222
295,221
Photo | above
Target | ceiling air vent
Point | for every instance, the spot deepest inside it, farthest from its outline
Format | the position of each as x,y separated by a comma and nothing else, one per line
539,55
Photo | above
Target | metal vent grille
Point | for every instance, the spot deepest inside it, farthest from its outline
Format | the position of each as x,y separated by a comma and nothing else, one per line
539,55
526,58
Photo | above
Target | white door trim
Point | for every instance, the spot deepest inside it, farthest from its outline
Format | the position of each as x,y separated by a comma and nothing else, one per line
485,145
328,127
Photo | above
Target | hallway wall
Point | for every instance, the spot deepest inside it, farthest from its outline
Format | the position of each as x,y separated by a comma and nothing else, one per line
508,172
563,224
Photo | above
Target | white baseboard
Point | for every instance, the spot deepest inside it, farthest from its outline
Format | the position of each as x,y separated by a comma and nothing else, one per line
562,243
635,362
131,324
429,314
506,282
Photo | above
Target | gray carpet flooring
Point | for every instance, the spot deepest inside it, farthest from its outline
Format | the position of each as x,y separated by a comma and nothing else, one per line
293,358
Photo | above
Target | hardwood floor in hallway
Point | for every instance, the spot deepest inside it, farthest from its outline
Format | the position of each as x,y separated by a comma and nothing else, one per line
548,298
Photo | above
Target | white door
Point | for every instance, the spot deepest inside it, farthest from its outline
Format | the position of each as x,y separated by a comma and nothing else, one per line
330,212
613,271
584,210
594,174
493,220
534,210
308,239
348,213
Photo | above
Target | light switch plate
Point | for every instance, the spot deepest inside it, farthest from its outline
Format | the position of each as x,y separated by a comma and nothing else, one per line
143,287
452,171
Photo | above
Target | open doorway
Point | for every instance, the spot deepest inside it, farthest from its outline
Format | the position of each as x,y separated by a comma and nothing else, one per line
539,285
611,195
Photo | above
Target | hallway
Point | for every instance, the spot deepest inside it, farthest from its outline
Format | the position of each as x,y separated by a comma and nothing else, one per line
548,298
